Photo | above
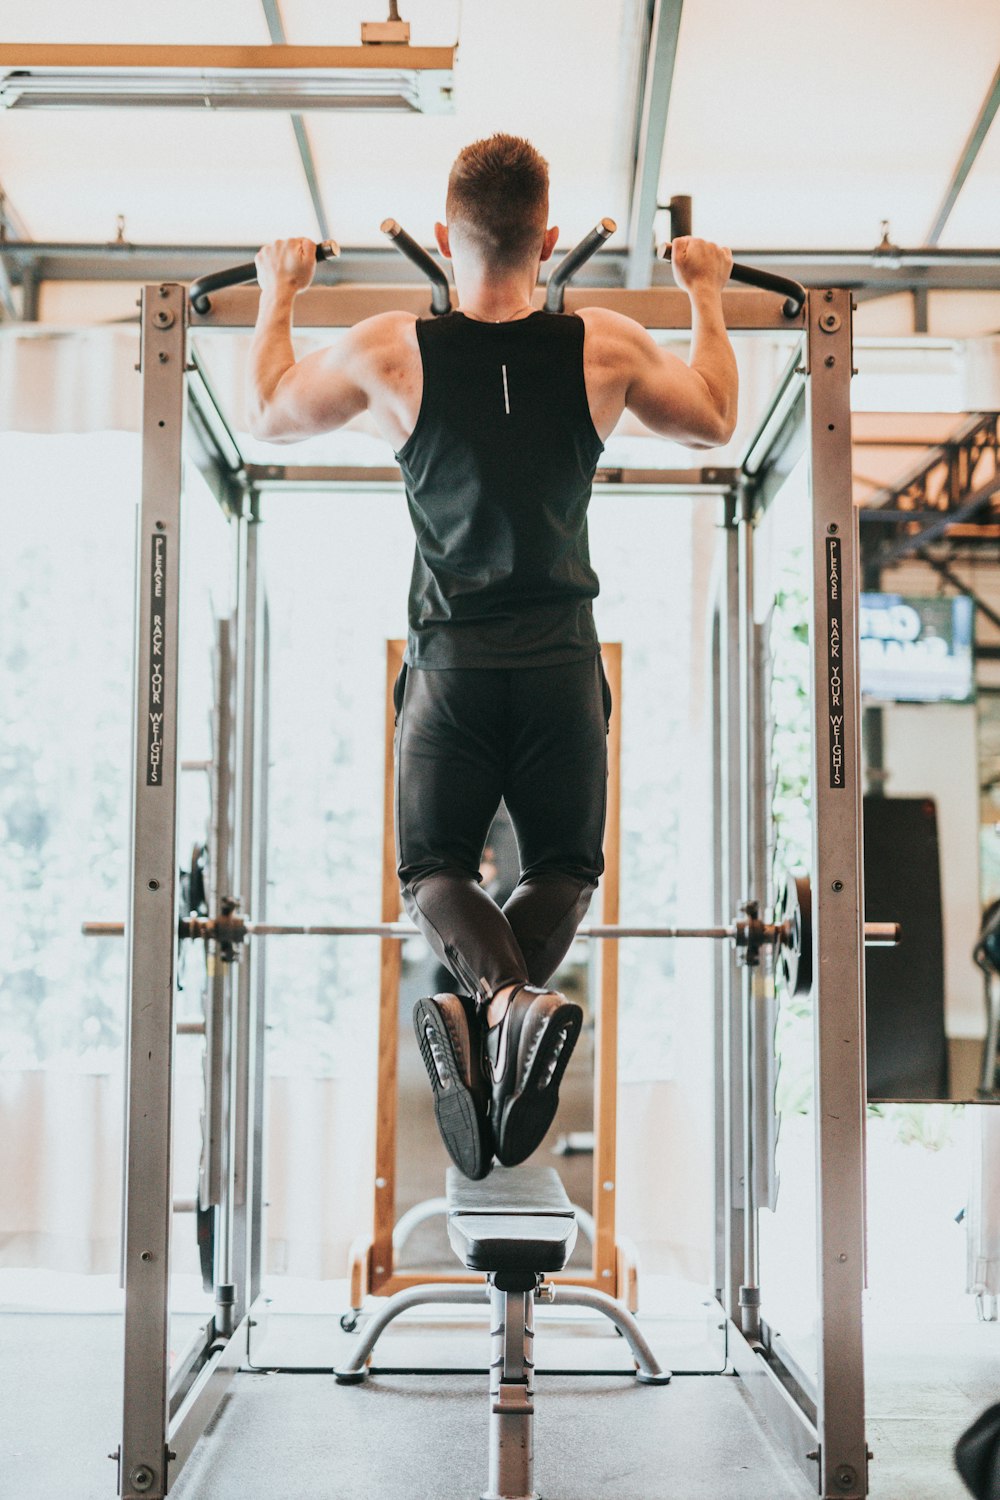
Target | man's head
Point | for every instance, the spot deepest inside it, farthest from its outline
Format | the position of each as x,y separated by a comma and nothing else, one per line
498,204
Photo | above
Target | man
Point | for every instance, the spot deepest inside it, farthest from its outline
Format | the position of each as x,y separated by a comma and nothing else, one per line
498,415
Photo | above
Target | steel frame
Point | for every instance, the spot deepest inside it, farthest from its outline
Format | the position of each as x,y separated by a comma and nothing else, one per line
868,272
821,1422
822,1427
977,135
651,130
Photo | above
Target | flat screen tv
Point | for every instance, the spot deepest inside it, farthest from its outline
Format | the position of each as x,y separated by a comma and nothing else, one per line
916,650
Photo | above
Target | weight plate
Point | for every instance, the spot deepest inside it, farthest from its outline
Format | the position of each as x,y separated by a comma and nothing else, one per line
793,956
206,1219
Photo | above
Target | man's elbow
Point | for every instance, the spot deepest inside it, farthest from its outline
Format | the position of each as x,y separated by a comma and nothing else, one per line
724,432
266,426
715,432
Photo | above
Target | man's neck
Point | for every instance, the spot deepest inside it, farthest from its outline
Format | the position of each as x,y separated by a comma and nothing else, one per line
492,298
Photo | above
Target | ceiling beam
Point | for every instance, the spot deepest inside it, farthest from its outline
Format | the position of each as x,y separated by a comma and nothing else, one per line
276,27
653,104
943,270
964,166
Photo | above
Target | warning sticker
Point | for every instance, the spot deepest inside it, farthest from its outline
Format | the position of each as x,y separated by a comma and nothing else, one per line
835,661
157,642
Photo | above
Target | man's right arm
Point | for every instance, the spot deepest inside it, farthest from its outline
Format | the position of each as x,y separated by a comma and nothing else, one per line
693,403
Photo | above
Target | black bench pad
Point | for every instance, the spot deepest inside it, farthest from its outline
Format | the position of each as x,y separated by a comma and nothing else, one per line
517,1219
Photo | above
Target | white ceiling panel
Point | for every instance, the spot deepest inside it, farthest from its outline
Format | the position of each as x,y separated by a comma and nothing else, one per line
796,122
221,22
578,113
176,176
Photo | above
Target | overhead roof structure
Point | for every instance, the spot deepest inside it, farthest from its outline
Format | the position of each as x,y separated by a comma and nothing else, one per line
795,134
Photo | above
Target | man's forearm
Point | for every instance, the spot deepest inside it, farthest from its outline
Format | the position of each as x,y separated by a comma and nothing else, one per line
711,352
271,353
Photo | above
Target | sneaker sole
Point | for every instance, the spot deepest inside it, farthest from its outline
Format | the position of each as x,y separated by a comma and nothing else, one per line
528,1114
463,1126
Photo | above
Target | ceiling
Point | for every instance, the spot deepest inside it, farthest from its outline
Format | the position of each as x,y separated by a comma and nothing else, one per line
793,123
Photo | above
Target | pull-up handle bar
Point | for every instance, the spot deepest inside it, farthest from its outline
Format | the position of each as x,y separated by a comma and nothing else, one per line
236,275
572,261
793,292
440,290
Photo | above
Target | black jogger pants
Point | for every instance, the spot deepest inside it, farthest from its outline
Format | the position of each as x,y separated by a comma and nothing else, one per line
465,738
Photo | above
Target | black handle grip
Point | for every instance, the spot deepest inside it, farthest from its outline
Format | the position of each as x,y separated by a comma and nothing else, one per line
793,292
571,262
440,290
198,291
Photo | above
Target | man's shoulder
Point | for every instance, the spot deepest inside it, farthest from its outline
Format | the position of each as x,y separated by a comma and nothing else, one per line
609,326
383,328
611,340
378,344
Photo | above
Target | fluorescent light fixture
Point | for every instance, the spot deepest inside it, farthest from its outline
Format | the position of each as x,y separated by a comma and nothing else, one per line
373,77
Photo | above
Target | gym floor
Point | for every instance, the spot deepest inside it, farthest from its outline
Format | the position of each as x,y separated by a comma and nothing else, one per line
423,1437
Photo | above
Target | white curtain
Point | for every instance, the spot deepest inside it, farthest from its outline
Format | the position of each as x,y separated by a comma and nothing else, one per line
69,380
61,1115
62,1146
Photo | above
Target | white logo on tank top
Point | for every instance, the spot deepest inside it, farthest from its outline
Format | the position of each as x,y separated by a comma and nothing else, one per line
506,393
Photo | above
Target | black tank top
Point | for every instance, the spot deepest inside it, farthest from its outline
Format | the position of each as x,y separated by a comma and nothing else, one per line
498,473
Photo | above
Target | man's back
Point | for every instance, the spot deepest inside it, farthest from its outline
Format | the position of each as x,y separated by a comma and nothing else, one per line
498,472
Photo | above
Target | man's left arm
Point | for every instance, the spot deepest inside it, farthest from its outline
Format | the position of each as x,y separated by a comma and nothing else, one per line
291,399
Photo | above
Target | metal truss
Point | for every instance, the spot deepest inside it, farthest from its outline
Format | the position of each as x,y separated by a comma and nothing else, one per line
950,494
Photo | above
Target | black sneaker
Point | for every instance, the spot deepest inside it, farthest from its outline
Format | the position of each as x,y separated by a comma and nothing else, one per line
525,1058
445,1026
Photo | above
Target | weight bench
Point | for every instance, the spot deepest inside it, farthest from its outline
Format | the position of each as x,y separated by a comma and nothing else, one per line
514,1226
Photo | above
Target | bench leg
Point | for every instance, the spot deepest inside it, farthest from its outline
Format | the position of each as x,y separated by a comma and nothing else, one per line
649,1371
355,1368
512,1388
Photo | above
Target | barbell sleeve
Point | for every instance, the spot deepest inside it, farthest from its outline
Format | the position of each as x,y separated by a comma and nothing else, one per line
883,934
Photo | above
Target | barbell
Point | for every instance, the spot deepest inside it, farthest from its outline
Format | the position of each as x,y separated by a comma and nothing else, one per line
788,936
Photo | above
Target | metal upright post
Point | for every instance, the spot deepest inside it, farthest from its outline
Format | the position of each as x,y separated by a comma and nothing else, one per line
152,927
720,887
219,1020
749,797
837,905
259,898
245,865
734,1017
